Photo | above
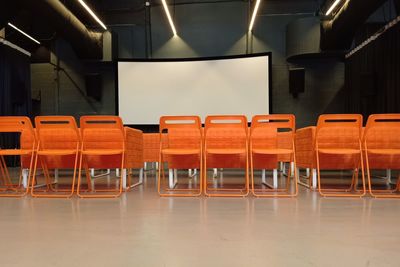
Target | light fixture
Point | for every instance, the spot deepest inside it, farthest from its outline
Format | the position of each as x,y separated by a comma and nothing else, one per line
332,7
92,13
171,23
253,17
21,31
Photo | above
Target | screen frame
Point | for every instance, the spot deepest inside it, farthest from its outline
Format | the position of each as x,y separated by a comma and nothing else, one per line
149,127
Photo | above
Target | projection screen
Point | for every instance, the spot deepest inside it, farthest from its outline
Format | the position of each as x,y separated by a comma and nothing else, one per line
212,86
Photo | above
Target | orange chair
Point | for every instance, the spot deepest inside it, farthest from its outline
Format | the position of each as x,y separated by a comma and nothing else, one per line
23,127
305,155
103,146
382,149
133,155
338,147
226,146
58,147
182,148
267,149
151,147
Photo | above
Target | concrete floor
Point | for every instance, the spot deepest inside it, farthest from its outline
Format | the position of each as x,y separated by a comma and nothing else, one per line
142,229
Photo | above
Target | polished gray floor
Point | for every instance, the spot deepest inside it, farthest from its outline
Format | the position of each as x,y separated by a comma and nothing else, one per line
142,229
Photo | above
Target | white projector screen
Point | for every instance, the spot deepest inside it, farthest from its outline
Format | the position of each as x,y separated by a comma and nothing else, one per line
148,90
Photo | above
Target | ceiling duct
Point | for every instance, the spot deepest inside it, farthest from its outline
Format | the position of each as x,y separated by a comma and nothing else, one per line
87,44
8,10
338,33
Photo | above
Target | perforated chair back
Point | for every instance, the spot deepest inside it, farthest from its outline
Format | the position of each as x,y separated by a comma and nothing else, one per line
339,131
182,132
226,131
383,131
102,132
272,131
57,132
22,125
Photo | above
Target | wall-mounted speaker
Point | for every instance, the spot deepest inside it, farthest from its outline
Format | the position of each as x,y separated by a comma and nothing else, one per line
296,81
94,85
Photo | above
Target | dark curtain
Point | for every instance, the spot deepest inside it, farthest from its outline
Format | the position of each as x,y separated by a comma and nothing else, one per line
15,82
373,76
15,92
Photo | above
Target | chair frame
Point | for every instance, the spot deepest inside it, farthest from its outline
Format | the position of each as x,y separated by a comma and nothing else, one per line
277,121
178,122
373,120
131,132
305,139
99,122
16,124
53,122
331,119
242,123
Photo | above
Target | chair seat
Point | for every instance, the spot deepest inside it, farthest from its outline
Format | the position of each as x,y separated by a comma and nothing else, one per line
178,151
99,152
57,152
226,151
11,152
339,151
273,151
384,151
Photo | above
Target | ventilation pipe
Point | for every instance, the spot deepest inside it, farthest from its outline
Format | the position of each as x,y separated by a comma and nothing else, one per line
338,33
86,43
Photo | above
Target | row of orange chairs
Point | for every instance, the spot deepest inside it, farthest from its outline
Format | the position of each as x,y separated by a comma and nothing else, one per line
226,142
338,142
57,142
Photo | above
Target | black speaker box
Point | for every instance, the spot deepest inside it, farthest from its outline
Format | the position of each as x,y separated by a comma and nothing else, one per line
296,81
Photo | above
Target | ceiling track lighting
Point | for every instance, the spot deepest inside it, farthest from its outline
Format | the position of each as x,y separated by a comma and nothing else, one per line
171,23
24,33
253,16
90,11
333,6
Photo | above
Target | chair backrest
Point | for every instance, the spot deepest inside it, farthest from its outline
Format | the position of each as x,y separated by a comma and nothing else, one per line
102,132
383,131
151,147
22,125
339,131
57,132
226,131
181,131
272,131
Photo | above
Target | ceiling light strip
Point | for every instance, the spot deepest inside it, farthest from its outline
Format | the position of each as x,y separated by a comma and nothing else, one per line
92,14
21,31
333,6
253,17
171,23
